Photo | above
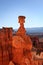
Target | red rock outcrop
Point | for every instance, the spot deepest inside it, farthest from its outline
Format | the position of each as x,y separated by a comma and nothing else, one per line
22,45
5,45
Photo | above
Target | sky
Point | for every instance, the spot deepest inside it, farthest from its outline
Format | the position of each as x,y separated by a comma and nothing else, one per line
11,9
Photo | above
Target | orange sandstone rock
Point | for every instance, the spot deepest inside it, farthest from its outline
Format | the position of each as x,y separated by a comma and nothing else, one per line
22,45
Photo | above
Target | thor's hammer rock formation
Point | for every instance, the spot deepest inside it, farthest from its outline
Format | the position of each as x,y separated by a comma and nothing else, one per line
21,45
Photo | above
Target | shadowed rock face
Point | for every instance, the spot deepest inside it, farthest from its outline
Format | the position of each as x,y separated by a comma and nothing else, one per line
22,45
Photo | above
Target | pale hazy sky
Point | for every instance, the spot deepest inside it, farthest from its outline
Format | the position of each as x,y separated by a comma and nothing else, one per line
11,9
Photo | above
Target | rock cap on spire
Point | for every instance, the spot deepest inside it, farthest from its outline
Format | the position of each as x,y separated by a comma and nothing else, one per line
21,19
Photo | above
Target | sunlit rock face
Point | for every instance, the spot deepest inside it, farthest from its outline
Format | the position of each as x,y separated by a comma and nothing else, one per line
5,45
37,59
22,45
